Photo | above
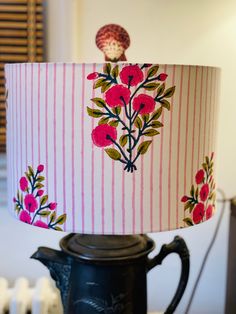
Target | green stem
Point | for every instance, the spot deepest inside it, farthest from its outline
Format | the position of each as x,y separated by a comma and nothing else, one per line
37,212
118,146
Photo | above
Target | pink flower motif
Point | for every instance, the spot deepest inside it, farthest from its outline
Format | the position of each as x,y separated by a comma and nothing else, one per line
93,76
198,213
40,224
144,104
25,217
52,206
209,212
162,77
184,199
23,184
117,95
200,176
31,203
101,134
204,192
14,200
40,192
40,168
131,75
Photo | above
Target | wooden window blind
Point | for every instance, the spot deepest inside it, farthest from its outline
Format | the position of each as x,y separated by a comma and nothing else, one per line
21,40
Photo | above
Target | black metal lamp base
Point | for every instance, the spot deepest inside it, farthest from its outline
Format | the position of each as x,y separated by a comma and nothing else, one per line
107,274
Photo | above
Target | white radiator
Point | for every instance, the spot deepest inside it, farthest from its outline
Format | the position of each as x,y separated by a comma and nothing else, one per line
43,298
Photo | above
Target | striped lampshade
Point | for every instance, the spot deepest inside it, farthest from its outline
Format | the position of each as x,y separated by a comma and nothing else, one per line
111,148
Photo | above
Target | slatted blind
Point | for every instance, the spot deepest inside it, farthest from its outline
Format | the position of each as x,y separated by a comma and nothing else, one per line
21,40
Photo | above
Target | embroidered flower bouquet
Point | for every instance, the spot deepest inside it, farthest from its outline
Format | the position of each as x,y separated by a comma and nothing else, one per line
130,112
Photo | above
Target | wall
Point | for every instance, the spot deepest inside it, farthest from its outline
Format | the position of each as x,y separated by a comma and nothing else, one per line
170,31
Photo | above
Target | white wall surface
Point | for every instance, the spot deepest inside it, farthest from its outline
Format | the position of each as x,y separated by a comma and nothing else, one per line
170,31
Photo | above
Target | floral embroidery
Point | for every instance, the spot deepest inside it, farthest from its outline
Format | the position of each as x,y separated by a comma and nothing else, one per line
122,93
31,203
201,202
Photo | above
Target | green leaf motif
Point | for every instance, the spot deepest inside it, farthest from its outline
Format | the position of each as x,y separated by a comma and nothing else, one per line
169,92
156,124
61,219
151,132
116,110
113,153
105,87
27,176
165,103
52,217
57,228
151,86
145,117
99,102
40,178
114,123
99,83
95,113
44,213
156,114
160,90
123,140
107,68
31,171
143,147
115,71
152,71
103,120
17,209
192,191
188,221
138,123
39,185
187,205
43,200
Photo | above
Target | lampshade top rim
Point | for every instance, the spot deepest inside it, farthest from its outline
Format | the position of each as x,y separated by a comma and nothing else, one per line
101,63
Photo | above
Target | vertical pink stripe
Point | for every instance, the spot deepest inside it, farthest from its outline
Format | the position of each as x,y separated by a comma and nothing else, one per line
13,130
39,155
55,128
186,132
46,128
123,192
103,193
214,113
113,196
82,148
161,168
170,154
178,146
26,118
200,119
141,196
194,121
93,167
206,113
32,112
63,139
133,205
21,122
151,182
73,147
17,122
210,112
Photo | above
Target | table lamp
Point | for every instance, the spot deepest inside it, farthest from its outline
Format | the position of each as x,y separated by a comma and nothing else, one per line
110,152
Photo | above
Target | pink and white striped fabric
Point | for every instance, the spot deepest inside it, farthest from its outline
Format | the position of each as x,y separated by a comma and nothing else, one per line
69,168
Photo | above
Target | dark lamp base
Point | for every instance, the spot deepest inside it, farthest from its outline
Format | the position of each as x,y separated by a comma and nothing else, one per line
107,274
